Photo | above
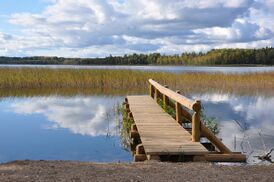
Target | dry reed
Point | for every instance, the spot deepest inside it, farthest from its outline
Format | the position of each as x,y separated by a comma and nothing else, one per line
126,80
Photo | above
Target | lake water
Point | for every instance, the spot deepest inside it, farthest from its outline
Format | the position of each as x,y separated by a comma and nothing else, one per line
246,123
173,69
61,128
87,128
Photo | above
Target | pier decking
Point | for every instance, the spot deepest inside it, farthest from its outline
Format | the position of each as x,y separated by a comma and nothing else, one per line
162,135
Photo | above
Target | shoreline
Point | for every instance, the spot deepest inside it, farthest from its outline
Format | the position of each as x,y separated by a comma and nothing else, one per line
142,171
133,65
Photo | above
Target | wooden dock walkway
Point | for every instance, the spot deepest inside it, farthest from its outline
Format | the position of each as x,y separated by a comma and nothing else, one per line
161,135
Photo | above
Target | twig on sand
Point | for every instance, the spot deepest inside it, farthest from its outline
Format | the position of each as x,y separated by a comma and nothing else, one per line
266,157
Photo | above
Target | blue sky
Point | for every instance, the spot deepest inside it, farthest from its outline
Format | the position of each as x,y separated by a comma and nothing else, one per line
9,7
96,28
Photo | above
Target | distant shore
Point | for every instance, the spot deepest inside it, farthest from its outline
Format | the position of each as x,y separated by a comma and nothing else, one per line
147,171
262,56
160,65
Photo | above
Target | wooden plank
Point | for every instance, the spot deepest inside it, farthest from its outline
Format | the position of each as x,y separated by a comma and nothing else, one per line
225,158
175,145
164,137
155,124
172,148
161,127
161,141
157,130
174,152
151,115
162,133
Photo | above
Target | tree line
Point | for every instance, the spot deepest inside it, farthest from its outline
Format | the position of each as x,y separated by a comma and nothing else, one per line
263,56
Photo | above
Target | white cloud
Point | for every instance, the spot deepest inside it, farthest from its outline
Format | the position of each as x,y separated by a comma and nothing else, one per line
215,98
240,31
92,26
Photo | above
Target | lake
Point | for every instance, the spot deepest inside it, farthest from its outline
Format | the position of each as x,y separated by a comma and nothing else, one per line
172,69
87,128
61,128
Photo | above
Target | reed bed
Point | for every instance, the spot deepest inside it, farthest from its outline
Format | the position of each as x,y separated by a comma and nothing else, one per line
125,81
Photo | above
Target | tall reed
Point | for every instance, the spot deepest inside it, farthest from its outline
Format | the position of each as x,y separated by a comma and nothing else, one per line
126,80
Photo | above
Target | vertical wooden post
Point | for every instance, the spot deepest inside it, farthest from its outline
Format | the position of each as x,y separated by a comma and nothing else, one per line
156,94
165,99
178,110
151,90
130,115
126,107
134,132
196,123
140,154
133,127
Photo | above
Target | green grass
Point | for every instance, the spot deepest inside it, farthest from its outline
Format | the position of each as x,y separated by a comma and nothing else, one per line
171,111
125,127
124,81
210,122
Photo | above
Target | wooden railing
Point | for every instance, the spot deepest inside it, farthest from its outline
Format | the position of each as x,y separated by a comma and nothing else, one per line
158,91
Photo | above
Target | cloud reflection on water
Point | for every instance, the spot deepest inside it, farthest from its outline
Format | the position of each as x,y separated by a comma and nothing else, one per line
246,123
81,115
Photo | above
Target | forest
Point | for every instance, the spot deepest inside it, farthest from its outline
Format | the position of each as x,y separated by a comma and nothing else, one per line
263,56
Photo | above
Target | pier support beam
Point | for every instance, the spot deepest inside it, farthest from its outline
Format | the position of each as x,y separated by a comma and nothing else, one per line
134,132
225,158
153,157
140,154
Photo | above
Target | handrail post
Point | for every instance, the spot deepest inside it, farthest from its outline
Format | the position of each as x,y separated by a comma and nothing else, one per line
178,109
151,90
165,99
156,94
196,123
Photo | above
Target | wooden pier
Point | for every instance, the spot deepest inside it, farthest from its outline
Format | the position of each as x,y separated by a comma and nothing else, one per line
163,137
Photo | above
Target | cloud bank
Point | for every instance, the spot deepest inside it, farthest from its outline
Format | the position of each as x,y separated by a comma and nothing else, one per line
91,28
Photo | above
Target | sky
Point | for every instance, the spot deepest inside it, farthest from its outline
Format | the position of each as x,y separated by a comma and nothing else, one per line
98,28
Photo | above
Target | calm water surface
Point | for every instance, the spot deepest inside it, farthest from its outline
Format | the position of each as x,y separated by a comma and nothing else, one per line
86,128
172,69
246,123
61,128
